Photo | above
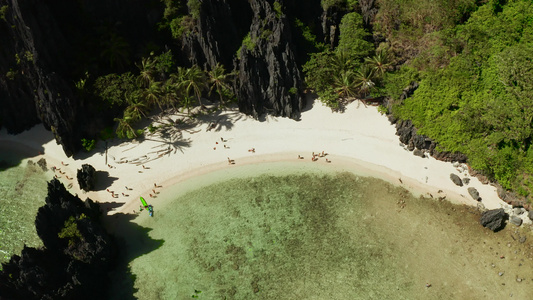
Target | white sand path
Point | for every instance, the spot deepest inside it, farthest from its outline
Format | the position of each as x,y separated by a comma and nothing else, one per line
359,138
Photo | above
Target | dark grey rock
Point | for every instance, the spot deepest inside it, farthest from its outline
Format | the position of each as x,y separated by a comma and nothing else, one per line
466,180
515,220
86,177
493,219
419,152
474,193
530,215
456,179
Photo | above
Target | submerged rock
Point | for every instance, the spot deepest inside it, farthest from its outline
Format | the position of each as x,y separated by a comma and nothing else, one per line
456,179
474,193
493,219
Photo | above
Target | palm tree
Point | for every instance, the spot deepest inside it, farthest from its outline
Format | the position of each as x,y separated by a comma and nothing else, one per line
345,84
340,61
169,97
147,72
153,93
187,101
218,79
363,80
124,128
136,108
192,79
380,63
115,50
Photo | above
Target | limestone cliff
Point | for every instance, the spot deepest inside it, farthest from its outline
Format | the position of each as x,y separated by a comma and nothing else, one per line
257,40
32,88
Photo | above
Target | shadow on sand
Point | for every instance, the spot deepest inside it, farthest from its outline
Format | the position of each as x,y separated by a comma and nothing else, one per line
133,241
103,180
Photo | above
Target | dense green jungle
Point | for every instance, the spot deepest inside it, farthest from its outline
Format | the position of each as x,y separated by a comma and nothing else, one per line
470,58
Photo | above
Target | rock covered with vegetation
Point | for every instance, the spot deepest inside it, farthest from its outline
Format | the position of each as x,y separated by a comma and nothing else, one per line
75,258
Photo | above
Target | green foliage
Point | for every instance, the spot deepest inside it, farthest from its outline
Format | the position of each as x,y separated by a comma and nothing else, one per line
3,12
395,82
164,63
353,37
480,104
70,230
11,74
88,144
309,37
113,88
382,110
277,9
348,5
293,91
107,134
248,42
194,8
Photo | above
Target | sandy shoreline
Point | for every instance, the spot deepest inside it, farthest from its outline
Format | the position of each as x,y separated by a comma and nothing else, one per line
359,139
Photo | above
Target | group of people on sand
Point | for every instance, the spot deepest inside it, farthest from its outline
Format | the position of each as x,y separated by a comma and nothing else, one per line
154,191
222,140
315,156
54,169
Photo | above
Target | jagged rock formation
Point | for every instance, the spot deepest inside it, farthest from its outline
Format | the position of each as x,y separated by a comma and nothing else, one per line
38,60
218,33
86,177
269,78
35,90
73,266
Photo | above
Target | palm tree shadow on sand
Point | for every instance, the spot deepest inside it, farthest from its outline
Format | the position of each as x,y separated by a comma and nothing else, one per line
133,241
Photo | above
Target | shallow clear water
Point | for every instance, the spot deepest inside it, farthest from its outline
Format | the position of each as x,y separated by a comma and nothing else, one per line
22,191
315,234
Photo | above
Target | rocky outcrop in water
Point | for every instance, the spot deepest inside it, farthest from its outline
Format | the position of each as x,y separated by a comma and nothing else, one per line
494,219
76,256
86,177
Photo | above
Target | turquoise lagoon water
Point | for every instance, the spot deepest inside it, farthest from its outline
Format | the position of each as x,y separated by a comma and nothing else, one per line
299,231
23,189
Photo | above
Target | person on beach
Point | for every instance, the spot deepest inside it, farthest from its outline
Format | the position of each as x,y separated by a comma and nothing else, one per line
221,139
328,161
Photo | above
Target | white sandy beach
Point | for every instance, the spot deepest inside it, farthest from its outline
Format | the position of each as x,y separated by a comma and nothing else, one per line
359,138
